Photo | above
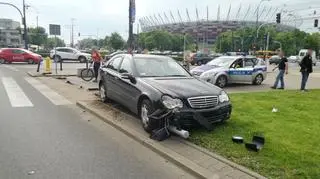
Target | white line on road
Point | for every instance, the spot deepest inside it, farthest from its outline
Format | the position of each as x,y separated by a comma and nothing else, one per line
16,96
11,67
53,96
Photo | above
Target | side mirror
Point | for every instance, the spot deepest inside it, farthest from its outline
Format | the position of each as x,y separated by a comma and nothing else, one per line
129,77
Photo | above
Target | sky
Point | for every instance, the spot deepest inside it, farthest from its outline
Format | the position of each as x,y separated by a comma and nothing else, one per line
98,18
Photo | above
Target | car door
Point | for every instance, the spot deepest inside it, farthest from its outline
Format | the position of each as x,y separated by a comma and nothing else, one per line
69,54
129,93
112,78
236,70
248,70
17,55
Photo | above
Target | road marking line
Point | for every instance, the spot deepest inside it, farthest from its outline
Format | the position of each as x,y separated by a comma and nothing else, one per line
16,95
53,96
11,68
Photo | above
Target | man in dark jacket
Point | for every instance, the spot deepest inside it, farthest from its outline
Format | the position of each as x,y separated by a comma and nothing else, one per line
306,69
283,69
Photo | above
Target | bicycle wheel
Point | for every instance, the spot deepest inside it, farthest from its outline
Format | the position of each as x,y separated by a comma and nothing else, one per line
87,74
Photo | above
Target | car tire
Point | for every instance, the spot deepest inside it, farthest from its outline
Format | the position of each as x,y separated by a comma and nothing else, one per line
57,58
146,109
199,63
82,59
222,81
30,61
258,80
2,61
103,92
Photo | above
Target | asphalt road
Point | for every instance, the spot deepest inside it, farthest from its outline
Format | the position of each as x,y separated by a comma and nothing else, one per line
44,135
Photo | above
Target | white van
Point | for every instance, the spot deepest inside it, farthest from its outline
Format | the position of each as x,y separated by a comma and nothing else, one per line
303,53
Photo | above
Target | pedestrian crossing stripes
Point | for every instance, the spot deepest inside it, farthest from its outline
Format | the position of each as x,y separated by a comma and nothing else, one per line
15,94
53,96
11,68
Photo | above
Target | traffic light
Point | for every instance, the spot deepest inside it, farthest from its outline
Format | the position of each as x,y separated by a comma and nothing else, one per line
79,34
278,18
316,22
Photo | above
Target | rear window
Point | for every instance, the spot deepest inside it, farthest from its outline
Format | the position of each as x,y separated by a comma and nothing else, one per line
302,54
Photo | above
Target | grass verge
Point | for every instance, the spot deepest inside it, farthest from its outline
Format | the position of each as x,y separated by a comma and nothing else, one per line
292,148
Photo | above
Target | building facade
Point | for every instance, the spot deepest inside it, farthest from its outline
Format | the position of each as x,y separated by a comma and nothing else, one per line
10,36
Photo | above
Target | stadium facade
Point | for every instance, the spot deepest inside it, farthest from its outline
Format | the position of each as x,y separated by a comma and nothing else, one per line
206,30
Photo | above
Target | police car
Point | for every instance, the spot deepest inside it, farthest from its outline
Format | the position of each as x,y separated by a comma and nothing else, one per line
232,69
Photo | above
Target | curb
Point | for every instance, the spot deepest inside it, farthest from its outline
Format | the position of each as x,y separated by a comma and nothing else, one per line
49,75
168,154
224,160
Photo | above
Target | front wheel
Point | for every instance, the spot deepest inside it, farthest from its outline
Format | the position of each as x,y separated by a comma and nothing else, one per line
87,74
103,92
82,59
258,80
30,61
2,61
146,109
222,81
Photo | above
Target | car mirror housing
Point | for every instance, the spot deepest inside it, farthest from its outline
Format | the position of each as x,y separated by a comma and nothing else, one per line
129,77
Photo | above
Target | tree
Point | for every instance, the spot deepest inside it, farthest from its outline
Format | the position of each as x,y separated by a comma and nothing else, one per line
54,42
116,41
37,36
163,40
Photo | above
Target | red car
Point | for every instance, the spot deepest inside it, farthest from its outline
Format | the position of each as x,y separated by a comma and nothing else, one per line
9,55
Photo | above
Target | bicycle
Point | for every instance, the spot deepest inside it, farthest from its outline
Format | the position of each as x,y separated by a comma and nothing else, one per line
87,74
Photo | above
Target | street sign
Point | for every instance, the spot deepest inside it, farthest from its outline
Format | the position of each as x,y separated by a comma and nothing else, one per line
54,29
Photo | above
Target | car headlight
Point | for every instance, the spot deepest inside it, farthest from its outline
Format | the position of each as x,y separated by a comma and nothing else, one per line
223,97
171,103
208,74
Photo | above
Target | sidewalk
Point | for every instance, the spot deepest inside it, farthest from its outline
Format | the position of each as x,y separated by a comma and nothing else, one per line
186,155
87,85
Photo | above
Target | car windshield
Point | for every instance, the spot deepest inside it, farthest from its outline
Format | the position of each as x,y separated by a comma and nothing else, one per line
159,67
221,62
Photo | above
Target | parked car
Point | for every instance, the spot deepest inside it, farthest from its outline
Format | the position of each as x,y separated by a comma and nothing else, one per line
274,60
157,87
67,53
293,59
303,53
232,69
9,55
201,59
108,57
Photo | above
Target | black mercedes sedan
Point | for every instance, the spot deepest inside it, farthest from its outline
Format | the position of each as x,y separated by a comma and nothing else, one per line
157,88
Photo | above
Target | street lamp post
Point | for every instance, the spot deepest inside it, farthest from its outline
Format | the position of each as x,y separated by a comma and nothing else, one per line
25,26
23,17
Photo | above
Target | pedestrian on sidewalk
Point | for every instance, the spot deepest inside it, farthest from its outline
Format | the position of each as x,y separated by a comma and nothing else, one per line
283,69
96,57
306,69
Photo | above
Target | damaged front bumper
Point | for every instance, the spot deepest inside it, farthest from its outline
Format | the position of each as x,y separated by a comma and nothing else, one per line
186,118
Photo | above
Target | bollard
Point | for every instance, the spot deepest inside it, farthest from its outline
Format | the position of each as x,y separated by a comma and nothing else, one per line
38,68
61,65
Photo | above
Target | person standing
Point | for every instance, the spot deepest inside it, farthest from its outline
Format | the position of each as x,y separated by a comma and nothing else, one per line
283,69
96,57
306,69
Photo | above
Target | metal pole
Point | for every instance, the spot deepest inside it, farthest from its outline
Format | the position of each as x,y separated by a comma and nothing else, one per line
72,39
268,38
25,26
55,54
130,41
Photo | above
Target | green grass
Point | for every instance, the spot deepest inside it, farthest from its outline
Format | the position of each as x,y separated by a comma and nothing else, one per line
292,148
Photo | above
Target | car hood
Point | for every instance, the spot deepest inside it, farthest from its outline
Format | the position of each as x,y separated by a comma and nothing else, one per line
205,68
85,54
183,87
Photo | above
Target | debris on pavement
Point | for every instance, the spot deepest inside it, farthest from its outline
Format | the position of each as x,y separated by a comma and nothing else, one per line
31,172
